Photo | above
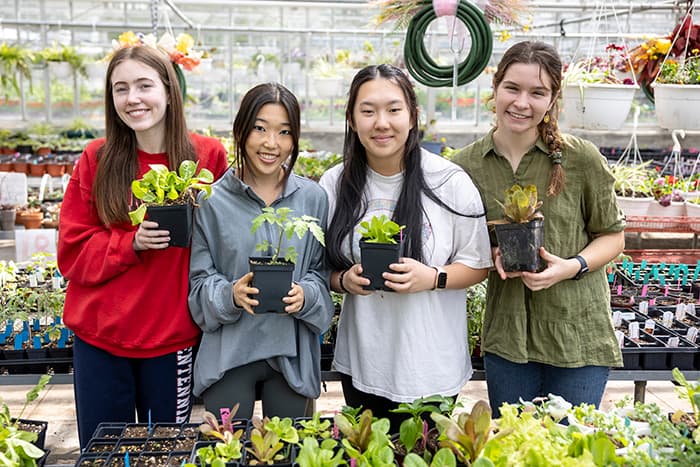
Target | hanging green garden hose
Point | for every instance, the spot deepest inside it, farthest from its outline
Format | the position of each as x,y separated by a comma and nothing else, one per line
421,65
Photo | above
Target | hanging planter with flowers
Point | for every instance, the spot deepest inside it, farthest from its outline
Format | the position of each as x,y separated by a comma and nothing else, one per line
595,94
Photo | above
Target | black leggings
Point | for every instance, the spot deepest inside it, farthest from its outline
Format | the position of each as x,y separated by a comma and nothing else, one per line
245,384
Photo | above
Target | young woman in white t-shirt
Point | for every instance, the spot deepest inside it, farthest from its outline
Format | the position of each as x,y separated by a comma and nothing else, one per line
397,346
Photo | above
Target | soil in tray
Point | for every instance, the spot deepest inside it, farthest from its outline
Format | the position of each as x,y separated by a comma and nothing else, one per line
135,431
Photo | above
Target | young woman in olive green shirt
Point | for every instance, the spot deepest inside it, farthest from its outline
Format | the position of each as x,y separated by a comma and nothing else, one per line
547,332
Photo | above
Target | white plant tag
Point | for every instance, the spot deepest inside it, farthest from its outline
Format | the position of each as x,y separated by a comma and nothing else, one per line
633,330
56,282
668,319
628,315
673,341
680,312
32,280
692,334
690,309
617,318
620,338
643,306
649,326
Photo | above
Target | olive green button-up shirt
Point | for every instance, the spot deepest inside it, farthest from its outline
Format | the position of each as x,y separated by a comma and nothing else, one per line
569,324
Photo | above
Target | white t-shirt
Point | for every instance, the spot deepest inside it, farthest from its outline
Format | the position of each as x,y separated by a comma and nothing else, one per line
406,346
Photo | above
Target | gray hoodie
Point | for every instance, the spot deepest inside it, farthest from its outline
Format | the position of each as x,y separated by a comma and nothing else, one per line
221,245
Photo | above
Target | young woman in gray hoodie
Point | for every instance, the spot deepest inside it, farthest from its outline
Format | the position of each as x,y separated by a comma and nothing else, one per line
244,353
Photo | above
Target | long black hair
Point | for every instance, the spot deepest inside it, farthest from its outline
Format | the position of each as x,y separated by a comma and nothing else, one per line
350,203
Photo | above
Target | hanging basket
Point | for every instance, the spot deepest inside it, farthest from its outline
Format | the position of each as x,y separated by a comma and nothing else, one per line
677,106
597,106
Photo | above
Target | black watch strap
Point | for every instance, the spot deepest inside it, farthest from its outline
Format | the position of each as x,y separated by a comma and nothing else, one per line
584,267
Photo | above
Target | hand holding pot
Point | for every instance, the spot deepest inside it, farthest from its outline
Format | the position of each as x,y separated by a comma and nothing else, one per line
148,237
557,270
496,254
242,292
410,276
354,282
294,299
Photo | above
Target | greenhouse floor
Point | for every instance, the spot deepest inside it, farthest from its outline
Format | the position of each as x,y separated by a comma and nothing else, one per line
56,405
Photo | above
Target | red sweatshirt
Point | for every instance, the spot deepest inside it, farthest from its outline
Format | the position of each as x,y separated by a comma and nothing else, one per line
131,304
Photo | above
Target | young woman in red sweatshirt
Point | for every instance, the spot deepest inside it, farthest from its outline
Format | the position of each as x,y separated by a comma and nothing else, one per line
127,291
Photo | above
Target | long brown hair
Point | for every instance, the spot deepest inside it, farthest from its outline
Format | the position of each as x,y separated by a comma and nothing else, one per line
544,55
117,160
243,124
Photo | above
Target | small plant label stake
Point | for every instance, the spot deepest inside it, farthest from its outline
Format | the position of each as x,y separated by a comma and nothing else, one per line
692,334
633,330
673,341
643,307
649,326
617,319
668,319
620,338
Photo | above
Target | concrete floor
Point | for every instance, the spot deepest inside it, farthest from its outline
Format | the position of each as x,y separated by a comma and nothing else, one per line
56,405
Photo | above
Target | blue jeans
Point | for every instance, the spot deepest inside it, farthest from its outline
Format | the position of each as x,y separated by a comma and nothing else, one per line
509,382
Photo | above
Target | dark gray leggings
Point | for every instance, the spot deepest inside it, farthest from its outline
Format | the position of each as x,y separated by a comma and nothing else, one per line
245,384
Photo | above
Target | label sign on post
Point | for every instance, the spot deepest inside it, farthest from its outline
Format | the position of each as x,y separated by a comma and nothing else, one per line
13,188
28,242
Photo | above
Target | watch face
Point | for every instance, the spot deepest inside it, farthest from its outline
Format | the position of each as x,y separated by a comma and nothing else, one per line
442,280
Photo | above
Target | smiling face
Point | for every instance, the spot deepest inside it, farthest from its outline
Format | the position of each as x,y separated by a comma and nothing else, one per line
382,120
522,98
140,99
269,143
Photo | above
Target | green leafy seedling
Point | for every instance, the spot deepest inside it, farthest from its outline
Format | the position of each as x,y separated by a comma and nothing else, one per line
380,230
286,226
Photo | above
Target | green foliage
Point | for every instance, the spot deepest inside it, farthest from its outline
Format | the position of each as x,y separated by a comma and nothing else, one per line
217,455
521,204
415,429
314,165
688,391
476,307
380,230
365,441
64,53
211,428
14,60
443,458
467,435
160,186
315,428
598,444
680,72
16,448
311,454
632,180
286,226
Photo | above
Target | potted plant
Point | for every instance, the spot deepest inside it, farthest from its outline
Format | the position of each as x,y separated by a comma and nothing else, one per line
632,187
429,138
594,95
169,197
379,247
13,60
273,274
22,441
328,78
520,233
63,60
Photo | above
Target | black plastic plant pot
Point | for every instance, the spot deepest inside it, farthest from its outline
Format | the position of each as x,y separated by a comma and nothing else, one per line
520,246
177,219
273,280
376,258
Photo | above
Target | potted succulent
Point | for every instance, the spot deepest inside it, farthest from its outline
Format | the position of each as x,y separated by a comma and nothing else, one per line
273,274
169,197
520,233
381,244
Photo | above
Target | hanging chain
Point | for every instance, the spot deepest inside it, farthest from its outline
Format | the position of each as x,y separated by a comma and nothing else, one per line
154,16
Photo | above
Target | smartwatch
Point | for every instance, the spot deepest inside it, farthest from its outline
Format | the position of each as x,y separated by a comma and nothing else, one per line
584,267
440,279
